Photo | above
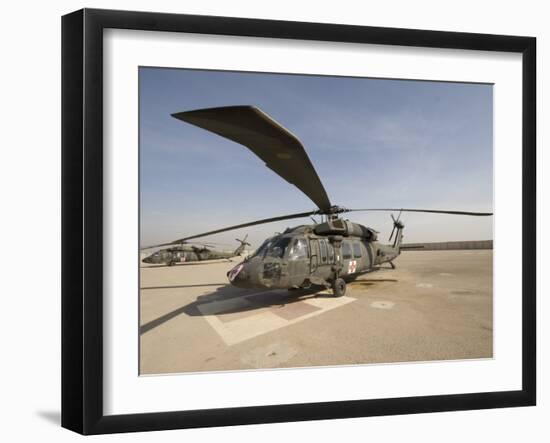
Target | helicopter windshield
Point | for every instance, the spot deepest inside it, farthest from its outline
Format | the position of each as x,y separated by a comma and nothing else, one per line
274,247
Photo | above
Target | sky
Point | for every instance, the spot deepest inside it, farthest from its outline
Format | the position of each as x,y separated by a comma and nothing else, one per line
374,143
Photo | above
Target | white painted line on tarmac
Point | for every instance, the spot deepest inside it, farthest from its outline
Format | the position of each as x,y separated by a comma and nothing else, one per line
241,329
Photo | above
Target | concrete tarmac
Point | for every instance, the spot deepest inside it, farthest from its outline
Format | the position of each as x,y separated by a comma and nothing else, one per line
437,305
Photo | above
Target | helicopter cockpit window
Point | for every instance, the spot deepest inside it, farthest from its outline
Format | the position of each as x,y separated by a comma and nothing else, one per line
346,250
263,247
274,247
357,250
299,249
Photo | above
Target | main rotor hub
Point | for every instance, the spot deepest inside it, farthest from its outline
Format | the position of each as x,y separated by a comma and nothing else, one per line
333,210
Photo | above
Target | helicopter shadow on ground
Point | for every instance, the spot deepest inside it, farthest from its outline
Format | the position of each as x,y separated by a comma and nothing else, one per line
254,300
200,285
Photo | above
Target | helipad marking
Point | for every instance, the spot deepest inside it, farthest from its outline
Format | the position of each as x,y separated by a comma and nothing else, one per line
424,285
270,356
241,329
382,304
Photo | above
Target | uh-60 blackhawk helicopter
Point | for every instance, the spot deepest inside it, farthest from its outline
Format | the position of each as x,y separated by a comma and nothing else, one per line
324,254
186,252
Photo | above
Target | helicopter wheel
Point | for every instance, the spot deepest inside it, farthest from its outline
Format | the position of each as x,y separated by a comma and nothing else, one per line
339,287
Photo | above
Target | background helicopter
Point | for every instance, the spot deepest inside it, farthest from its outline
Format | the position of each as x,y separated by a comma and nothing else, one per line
186,252
323,253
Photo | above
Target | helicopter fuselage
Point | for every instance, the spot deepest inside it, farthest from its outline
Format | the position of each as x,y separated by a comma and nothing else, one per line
300,257
171,256
190,253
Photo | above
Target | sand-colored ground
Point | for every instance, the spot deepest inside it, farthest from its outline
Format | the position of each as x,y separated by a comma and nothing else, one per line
436,305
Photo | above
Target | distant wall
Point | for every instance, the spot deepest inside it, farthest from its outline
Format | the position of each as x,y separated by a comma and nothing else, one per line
440,246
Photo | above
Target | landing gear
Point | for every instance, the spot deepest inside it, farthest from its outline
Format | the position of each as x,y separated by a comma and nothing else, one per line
392,265
339,287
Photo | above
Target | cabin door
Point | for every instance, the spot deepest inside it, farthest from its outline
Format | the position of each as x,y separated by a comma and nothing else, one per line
298,262
325,258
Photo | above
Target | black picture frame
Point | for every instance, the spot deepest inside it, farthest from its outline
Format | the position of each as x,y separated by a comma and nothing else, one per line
82,218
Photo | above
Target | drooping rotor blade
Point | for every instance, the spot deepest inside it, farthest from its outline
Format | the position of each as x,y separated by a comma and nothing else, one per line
208,243
281,150
230,228
433,211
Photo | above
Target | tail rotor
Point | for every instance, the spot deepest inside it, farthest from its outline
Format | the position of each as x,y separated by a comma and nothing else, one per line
397,227
242,246
243,242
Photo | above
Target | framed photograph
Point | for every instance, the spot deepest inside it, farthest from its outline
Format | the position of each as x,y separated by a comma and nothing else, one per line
268,221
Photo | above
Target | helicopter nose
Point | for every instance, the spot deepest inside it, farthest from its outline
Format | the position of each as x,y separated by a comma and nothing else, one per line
243,276
147,260
237,274
246,274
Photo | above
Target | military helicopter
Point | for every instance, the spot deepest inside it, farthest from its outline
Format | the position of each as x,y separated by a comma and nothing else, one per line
194,252
320,254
